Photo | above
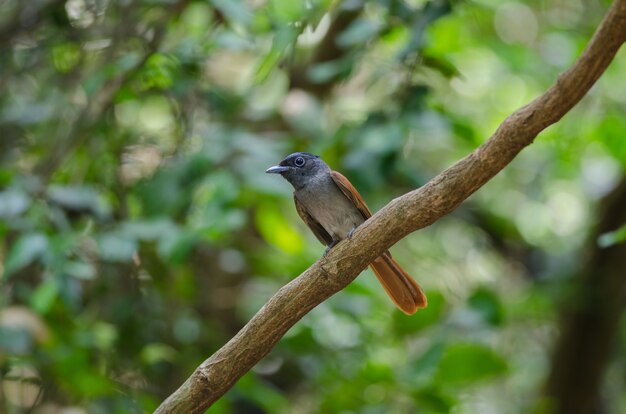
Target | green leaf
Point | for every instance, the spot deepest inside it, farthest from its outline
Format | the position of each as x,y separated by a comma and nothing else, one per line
287,11
150,229
6,176
488,305
81,199
80,270
66,56
612,238
13,202
440,64
434,400
272,224
159,71
323,72
376,372
466,363
24,251
116,247
44,295
358,33
235,10
104,335
429,360
284,38
157,352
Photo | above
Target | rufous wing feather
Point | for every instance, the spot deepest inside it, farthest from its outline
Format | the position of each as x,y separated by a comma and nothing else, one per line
401,288
353,195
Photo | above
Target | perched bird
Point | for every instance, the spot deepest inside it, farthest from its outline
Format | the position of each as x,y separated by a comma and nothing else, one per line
333,209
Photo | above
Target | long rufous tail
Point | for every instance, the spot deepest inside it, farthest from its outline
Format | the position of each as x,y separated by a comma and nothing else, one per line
401,288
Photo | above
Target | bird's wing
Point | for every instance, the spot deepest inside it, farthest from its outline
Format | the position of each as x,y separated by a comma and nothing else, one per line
403,290
349,191
317,229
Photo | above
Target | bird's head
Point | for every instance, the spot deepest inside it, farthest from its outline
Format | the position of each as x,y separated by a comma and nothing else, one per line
298,168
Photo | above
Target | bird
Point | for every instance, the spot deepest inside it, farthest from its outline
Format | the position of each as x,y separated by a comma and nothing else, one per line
332,208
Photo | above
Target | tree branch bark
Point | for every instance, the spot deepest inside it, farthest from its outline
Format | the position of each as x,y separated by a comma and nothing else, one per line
408,213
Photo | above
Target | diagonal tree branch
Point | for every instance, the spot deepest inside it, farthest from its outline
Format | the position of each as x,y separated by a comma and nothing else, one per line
414,210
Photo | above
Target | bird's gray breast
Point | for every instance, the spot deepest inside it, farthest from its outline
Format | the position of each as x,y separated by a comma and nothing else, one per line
329,206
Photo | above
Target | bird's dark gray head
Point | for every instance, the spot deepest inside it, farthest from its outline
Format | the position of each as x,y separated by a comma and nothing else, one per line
298,168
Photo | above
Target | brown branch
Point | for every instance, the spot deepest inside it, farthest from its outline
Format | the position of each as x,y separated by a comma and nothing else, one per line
402,216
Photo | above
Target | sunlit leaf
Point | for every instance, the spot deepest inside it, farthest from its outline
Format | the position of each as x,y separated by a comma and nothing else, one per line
158,352
13,202
278,231
104,335
65,56
159,71
24,251
612,238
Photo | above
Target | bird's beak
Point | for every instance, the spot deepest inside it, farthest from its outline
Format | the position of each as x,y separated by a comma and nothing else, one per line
277,169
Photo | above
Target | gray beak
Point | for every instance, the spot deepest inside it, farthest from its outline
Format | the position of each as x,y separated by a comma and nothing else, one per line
277,169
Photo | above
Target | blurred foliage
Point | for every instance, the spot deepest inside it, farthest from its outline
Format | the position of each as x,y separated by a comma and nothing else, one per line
139,232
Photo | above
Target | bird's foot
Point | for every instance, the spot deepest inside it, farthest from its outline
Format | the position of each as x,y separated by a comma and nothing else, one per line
330,246
351,232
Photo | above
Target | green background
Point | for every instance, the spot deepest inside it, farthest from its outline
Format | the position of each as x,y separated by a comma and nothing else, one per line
139,232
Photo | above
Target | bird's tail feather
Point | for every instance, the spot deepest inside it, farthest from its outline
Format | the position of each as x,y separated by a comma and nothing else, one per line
401,288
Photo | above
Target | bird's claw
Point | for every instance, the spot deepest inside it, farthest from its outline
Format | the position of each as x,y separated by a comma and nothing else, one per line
330,246
351,232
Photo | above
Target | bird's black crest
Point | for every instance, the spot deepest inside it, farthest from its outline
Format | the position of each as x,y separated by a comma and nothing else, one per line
289,158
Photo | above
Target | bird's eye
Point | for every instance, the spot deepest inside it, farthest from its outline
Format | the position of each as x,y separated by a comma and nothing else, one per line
299,162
